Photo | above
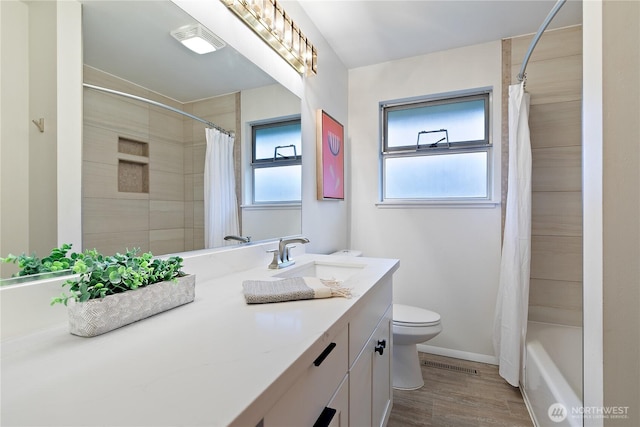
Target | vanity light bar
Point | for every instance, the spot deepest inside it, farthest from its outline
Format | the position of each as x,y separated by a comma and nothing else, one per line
268,19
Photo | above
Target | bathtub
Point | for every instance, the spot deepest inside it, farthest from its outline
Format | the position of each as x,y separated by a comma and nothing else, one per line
553,374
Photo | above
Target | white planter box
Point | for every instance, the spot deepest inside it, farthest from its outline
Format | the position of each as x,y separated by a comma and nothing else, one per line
97,316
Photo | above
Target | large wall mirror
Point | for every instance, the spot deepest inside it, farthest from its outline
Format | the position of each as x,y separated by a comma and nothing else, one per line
143,166
128,46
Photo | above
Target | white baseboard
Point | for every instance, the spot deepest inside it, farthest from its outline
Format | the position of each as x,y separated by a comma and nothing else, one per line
458,354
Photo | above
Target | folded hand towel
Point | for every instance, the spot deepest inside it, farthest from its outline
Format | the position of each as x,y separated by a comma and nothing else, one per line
295,288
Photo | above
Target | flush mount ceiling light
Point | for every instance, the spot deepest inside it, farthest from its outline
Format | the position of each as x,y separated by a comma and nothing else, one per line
198,38
268,20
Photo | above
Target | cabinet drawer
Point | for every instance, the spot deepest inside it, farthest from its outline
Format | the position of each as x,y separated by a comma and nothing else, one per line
366,319
303,403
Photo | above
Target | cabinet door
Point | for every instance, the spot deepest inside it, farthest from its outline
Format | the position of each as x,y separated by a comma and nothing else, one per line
360,389
340,402
370,379
367,318
381,393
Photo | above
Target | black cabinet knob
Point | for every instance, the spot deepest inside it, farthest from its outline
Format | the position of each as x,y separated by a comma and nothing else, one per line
382,344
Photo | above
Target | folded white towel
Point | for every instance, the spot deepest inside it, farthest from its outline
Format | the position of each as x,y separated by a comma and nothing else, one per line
295,288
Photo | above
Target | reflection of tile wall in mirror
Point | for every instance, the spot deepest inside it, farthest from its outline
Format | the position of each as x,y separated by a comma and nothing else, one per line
176,151
133,177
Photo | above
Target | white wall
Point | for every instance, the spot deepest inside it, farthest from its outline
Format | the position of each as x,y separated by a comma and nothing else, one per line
449,256
69,123
621,208
592,167
323,222
611,209
42,145
14,130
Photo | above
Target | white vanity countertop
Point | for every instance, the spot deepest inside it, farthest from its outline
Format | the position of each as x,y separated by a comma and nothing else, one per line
203,363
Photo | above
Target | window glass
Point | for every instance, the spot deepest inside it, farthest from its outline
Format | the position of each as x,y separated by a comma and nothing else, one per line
437,177
277,162
286,136
436,149
463,121
278,184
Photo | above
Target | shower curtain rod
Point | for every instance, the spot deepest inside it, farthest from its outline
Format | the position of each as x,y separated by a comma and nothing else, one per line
158,104
534,42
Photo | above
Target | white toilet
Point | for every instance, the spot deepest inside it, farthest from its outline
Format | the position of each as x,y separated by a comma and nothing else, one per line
411,326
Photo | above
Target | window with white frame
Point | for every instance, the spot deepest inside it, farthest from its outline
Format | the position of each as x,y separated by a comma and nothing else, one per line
436,149
277,162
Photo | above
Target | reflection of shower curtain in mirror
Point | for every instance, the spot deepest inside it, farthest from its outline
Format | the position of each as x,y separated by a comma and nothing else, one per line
220,203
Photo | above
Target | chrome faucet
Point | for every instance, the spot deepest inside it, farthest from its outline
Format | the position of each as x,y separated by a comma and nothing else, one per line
281,257
238,238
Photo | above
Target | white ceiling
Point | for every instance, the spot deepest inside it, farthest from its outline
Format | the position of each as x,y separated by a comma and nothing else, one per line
131,39
374,31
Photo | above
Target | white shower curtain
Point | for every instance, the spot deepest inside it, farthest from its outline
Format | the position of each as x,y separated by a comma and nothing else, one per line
220,202
510,325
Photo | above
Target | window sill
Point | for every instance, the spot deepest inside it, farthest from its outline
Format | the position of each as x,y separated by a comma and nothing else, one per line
422,204
271,206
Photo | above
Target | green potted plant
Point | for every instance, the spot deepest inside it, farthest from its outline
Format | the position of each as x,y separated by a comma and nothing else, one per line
34,268
113,291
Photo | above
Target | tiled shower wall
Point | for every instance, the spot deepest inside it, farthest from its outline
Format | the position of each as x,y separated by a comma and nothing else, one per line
554,81
166,215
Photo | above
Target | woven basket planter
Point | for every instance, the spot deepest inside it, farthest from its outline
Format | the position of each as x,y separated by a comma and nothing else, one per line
97,316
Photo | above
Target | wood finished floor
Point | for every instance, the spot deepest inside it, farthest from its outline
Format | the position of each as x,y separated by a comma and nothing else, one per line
459,399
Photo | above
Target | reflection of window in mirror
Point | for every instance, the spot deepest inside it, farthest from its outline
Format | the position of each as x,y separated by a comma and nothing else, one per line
277,161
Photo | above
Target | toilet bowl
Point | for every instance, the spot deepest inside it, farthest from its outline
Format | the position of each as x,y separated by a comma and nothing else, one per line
411,326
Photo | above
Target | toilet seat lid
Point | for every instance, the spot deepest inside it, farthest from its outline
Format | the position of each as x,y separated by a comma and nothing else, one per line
414,316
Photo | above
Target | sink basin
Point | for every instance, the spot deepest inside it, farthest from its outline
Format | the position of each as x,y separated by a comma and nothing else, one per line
322,270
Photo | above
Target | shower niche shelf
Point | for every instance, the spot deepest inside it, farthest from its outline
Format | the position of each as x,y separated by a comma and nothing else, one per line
133,166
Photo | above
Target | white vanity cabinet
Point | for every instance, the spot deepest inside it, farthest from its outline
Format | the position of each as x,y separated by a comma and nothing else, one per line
352,384
219,361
